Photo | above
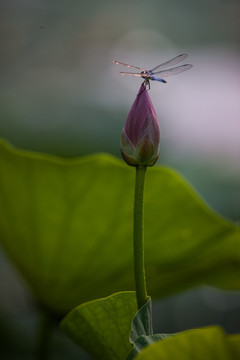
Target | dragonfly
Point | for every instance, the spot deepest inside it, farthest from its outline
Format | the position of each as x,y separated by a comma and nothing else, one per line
148,75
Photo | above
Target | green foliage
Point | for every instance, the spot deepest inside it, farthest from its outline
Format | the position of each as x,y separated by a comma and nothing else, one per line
209,343
206,343
142,341
102,326
67,225
142,333
142,322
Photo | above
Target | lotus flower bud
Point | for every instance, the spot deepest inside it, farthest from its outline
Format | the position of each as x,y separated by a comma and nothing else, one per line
140,140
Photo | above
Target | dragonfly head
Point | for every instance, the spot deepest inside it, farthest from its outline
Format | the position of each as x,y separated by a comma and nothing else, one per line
145,74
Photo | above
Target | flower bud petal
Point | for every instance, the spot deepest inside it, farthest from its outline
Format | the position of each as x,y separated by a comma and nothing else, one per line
145,150
129,150
140,141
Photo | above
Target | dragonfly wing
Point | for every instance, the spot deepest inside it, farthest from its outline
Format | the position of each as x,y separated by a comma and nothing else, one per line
171,62
127,65
174,71
130,74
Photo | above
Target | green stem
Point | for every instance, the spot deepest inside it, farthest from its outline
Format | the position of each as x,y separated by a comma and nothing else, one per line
138,235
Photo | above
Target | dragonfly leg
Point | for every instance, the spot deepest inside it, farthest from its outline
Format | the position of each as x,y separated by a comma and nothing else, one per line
147,84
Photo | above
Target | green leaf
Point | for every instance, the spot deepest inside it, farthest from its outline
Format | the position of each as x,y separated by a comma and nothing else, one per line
183,345
102,326
142,334
67,225
142,322
208,343
142,341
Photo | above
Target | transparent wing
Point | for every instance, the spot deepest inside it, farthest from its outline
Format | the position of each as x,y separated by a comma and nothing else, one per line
174,71
129,66
171,62
130,74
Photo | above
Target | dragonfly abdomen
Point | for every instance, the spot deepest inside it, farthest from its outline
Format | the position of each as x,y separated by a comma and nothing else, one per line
153,77
148,75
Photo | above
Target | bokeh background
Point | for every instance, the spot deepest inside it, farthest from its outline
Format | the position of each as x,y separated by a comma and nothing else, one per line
61,94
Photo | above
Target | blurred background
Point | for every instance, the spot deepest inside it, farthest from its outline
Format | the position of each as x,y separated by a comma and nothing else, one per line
61,94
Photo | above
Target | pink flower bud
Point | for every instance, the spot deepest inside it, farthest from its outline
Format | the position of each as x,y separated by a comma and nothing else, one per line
140,141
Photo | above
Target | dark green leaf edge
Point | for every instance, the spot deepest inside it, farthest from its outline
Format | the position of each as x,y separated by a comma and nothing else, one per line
105,157
58,159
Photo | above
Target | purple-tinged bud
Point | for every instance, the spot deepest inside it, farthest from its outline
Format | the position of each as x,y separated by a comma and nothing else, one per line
140,141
